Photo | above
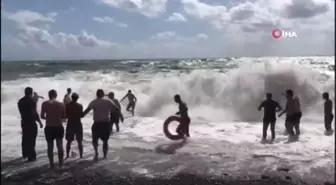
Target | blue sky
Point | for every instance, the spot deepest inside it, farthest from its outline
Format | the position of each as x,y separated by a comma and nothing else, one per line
90,29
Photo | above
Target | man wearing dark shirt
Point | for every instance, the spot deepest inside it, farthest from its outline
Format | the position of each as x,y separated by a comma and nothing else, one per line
270,107
74,127
29,117
183,128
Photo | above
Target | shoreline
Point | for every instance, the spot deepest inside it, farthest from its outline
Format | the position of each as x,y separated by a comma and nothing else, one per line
140,167
77,174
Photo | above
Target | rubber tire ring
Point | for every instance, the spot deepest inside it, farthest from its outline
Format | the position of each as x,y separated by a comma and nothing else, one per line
166,131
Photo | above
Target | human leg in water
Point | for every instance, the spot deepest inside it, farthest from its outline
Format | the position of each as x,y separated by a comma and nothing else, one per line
273,130
265,127
50,146
59,144
186,127
105,148
95,138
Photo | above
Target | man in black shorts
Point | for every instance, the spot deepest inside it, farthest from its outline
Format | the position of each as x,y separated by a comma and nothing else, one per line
115,116
101,128
53,112
74,127
293,113
29,117
270,107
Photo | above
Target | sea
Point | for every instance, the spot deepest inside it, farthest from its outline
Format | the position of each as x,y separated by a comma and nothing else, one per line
222,94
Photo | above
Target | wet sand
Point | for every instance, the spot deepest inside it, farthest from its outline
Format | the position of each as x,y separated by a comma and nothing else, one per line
74,174
133,166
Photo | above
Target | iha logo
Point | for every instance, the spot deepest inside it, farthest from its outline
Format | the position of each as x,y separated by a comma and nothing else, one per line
277,34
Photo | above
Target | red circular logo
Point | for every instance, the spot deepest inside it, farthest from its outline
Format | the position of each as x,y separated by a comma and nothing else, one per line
276,33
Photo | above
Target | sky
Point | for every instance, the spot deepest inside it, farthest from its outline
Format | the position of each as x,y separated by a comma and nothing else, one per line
112,29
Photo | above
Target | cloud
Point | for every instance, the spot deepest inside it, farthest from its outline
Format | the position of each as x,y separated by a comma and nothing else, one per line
39,36
164,35
105,19
24,17
122,25
149,8
176,17
109,20
304,9
202,36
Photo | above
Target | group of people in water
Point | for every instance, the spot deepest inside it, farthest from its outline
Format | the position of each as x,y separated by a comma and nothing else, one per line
107,112
293,114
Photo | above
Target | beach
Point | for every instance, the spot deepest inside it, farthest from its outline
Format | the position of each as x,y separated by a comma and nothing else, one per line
222,95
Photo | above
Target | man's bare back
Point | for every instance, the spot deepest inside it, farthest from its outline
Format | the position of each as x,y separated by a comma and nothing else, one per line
53,112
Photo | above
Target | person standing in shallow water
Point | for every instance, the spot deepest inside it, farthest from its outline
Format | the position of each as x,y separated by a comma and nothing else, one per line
293,113
115,114
53,112
29,117
36,97
328,114
183,128
74,126
270,107
67,98
131,101
101,127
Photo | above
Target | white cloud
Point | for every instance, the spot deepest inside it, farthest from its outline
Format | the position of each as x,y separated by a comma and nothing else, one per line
24,17
40,36
109,20
176,17
202,36
164,35
122,25
149,8
105,19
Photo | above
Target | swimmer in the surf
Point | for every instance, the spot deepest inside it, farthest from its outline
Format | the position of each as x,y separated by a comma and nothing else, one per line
131,101
115,114
328,113
293,113
74,126
67,98
183,128
53,112
36,97
270,107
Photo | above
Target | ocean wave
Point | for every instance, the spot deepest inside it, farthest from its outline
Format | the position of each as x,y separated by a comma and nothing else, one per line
226,94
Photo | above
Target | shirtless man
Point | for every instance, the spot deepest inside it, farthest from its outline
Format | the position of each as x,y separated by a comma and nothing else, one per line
74,126
293,113
101,121
67,98
183,128
36,97
115,116
131,101
53,112
270,107
328,114
29,117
